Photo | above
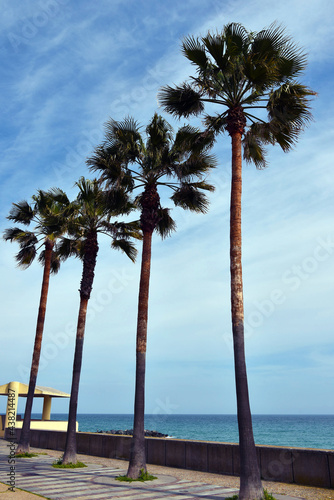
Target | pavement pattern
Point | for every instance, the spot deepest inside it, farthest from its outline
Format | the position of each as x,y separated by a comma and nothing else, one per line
98,482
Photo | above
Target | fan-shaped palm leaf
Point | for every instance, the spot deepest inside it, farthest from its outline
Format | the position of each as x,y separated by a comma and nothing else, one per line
166,225
21,212
126,246
194,51
189,197
181,101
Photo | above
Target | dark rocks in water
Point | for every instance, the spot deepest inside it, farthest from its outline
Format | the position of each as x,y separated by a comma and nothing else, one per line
129,432
155,434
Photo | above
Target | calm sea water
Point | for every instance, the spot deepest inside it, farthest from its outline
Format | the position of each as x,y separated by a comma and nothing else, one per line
307,431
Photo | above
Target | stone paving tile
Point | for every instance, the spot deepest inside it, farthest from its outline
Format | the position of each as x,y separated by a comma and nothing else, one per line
98,496
97,482
37,476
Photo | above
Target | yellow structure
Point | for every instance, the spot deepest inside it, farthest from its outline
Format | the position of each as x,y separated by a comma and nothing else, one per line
14,390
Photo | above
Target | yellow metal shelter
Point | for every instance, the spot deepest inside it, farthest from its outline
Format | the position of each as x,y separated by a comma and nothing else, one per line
14,390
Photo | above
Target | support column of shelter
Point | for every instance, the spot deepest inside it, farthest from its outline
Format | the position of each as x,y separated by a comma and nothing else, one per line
46,415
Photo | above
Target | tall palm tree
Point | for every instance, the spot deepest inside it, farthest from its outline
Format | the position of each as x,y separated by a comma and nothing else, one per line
253,77
48,213
93,210
178,163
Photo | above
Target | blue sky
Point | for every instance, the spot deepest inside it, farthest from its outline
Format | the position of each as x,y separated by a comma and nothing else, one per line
66,68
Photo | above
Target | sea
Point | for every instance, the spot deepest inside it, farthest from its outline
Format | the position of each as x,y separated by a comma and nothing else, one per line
306,431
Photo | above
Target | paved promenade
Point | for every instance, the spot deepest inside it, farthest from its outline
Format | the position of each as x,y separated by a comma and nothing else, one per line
97,482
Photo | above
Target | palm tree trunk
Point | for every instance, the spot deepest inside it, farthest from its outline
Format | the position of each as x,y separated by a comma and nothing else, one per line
250,478
70,454
137,456
91,249
24,441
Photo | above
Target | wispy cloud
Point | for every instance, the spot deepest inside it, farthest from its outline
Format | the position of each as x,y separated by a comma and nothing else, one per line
67,69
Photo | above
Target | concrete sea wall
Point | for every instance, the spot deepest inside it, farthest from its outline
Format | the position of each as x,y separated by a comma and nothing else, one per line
289,465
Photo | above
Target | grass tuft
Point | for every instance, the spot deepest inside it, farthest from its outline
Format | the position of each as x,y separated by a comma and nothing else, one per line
143,476
267,496
58,464
26,455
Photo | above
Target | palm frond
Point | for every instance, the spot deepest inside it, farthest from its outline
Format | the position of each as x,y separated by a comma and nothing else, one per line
21,212
268,42
87,189
253,150
111,166
22,237
68,247
273,46
55,264
117,202
236,38
26,256
290,103
159,133
196,165
283,134
189,197
58,196
191,139
128,126
217,123
216,47
99,159
42,201
27,241
181,101
126,246
166,225
129,230
124,138
195,52
204,185
53,224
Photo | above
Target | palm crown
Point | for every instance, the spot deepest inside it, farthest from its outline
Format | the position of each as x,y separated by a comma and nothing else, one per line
245,71
126,160
48,212
91,213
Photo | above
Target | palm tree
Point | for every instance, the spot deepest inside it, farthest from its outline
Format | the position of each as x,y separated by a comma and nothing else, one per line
48,213
125,159
253,76
93,210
